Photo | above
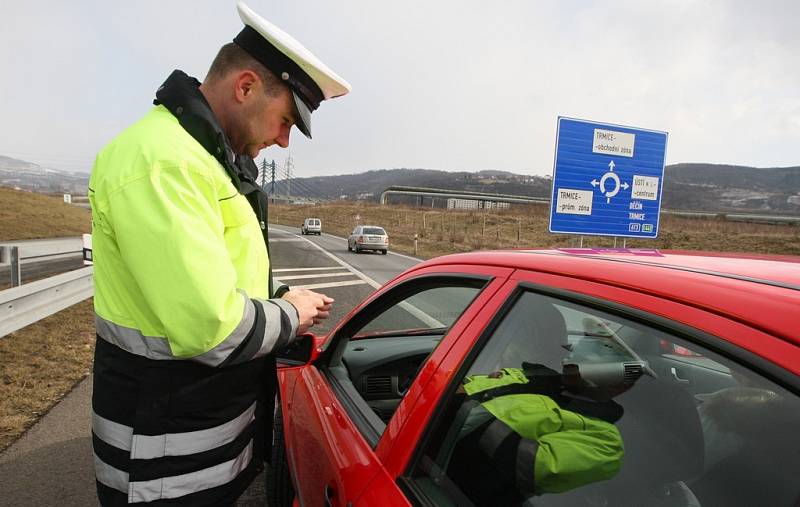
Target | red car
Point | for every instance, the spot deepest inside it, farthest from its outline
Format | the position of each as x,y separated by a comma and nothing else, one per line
547,378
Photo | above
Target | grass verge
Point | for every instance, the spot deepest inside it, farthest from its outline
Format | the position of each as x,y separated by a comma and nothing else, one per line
41,363
447,231
27,215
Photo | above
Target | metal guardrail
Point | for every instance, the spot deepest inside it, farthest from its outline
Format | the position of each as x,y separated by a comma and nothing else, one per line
34,249
29,303
14,254
25,304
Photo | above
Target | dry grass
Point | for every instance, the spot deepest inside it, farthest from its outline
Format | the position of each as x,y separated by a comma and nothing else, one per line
447,231
25,215
40,364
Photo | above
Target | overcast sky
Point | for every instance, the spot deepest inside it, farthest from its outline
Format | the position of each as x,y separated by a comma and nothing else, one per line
450,85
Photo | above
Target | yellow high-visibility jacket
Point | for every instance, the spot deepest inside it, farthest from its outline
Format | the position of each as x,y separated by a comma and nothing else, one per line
183,381
178,251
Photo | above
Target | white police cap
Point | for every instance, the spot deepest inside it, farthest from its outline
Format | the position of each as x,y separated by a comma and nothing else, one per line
310,80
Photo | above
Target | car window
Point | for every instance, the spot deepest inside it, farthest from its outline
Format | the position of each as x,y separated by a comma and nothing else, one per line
379,352
434,309
374,230
570,405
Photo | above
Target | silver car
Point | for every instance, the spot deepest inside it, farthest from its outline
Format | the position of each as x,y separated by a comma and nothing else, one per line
368,237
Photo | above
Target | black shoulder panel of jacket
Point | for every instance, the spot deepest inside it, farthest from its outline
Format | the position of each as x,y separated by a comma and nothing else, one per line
181,95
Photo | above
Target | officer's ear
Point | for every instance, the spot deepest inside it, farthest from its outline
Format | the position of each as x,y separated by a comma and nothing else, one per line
246,84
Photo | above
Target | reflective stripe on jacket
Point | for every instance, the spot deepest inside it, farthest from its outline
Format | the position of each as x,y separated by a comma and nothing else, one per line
183,317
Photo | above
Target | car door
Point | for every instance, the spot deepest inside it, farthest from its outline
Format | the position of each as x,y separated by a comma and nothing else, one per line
556,402
346,409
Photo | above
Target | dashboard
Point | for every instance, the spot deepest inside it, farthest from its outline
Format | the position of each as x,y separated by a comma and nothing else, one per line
382,369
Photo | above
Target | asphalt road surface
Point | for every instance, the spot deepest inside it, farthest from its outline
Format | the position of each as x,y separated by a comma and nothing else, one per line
52,463
31,270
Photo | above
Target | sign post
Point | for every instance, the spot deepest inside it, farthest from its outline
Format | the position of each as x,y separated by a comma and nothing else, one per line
607,179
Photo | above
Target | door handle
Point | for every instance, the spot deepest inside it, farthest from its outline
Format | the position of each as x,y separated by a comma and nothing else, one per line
677,379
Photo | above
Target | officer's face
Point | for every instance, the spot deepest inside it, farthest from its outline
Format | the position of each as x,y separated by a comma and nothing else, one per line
265,120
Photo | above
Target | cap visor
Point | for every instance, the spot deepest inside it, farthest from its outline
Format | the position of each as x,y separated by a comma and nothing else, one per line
303,122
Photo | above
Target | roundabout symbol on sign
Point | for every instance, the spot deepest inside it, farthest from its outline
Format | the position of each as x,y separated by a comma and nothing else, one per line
616,183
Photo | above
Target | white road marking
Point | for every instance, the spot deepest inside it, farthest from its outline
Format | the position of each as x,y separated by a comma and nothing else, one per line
413,310
328,285
284,270
347,266
318,275
405,256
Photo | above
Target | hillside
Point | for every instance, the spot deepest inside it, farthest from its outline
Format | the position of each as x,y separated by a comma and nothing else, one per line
370,184
26,215
696,186
708,187
30,176
732,188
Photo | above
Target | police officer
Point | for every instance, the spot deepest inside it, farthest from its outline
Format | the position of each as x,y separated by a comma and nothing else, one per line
187,317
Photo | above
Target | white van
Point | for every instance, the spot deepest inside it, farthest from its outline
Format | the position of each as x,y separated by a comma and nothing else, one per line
311,226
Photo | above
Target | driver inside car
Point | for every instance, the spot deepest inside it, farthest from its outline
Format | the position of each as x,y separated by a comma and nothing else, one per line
538,427
525,435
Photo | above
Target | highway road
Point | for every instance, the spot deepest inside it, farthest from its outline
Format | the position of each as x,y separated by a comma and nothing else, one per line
37,269
52,463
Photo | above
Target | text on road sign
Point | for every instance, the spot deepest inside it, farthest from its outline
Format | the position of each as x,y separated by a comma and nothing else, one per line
574,202
610,142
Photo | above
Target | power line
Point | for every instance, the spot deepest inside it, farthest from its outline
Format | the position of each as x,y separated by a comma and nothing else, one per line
311,189
304,189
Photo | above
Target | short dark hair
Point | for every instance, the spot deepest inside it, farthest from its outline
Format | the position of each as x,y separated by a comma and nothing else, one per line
232,58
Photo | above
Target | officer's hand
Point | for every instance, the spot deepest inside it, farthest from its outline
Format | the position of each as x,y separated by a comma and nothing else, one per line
312,307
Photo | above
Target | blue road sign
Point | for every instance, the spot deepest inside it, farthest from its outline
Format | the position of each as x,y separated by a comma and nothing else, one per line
607,179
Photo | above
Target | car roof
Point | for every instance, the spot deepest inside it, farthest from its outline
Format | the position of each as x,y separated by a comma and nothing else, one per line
761,290
377,226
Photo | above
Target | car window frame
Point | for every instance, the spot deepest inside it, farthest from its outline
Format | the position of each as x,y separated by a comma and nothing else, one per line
368,423
742,357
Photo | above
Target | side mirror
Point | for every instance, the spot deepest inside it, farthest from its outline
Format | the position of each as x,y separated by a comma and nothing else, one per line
302,351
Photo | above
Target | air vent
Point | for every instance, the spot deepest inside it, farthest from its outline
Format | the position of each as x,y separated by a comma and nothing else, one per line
632,372
378,386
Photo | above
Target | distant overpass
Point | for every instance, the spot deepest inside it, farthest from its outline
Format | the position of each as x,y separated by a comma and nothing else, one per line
460,194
